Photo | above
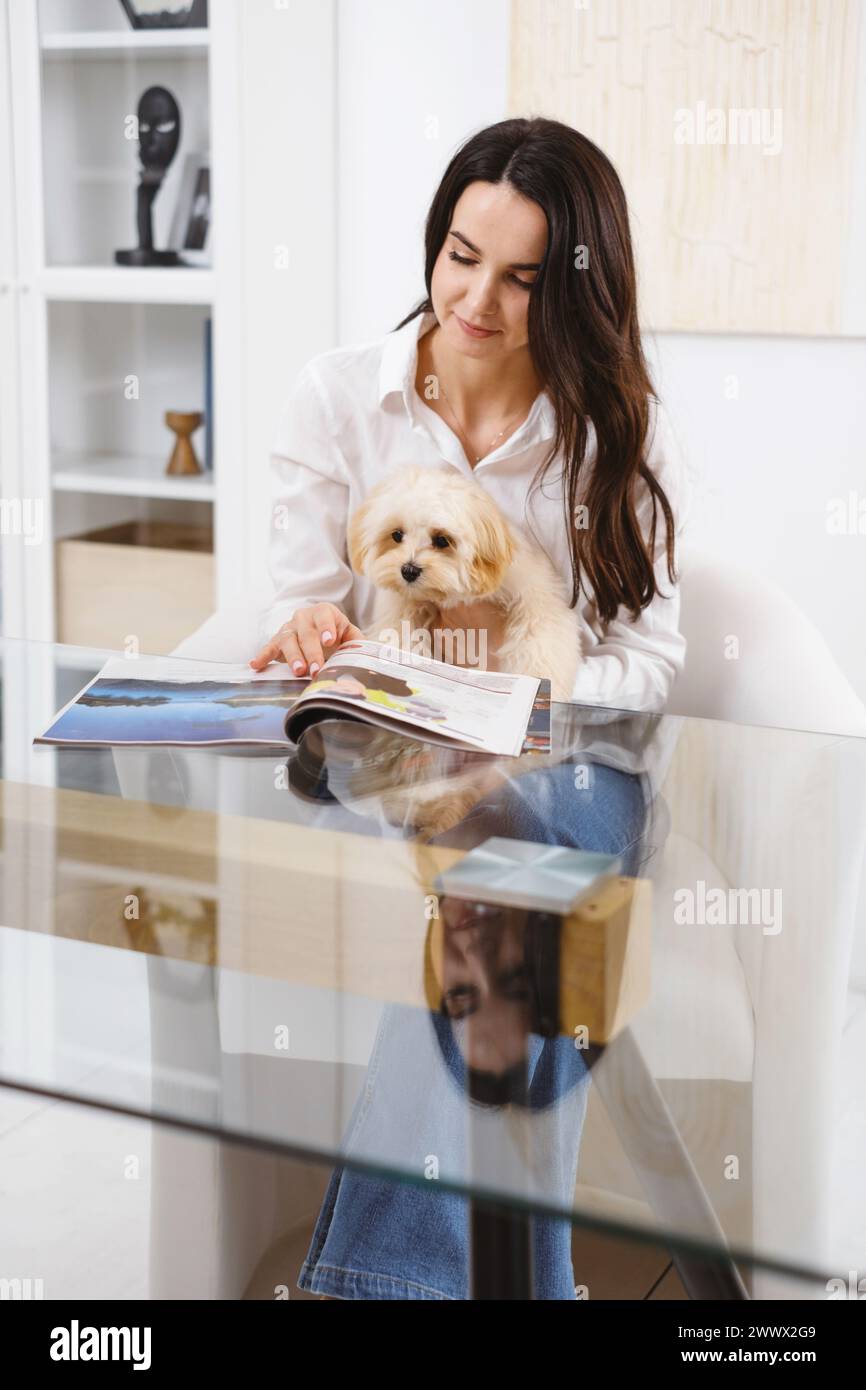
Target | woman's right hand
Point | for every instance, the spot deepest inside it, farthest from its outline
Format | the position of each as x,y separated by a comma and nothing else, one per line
308,639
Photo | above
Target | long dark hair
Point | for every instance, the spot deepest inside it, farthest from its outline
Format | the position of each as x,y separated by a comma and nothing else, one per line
584,339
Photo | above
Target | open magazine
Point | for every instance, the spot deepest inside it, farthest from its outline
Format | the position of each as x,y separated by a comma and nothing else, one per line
153,700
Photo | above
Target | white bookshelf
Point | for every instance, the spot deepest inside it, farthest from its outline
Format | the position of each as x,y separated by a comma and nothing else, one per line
258,92
96,452
260,89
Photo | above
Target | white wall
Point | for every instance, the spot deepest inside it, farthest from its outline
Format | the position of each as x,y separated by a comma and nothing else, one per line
765,464
288,196
414,80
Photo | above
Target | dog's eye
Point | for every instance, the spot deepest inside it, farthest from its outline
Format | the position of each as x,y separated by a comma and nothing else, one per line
397,536
441,542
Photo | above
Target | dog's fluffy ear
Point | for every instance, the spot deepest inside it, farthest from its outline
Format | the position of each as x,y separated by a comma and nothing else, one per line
494,545
358,538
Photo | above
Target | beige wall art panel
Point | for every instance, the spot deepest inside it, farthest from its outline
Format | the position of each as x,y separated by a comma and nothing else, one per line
738,128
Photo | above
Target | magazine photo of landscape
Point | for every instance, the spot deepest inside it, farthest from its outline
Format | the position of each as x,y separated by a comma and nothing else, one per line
145,711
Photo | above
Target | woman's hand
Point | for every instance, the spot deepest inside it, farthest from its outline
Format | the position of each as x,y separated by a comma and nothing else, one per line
312,635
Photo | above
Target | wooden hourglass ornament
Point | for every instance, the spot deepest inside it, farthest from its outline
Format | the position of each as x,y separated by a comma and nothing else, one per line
183,459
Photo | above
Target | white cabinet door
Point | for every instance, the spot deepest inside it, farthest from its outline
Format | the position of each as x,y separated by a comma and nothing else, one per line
11,596
28,568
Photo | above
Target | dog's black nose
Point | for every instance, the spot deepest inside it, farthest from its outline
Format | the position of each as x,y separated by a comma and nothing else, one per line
410,572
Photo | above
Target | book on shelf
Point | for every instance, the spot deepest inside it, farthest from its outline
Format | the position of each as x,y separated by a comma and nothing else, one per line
208,394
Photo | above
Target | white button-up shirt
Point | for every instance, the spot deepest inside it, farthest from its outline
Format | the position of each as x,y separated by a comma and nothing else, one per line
354,417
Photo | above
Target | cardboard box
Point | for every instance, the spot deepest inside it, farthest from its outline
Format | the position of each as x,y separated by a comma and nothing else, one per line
152,581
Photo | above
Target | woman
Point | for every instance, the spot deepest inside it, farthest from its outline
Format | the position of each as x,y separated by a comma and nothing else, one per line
524,368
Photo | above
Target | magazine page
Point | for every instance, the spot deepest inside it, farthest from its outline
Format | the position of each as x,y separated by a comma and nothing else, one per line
173,702
484,710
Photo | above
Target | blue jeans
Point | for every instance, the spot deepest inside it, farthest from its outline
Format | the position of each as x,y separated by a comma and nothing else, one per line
381,1239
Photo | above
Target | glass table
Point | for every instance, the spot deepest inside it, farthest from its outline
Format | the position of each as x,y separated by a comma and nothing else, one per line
260,947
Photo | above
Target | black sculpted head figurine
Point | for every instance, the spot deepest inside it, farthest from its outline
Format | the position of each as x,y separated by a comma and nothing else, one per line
159,128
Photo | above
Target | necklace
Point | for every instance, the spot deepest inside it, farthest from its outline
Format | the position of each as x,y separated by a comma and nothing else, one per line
462,431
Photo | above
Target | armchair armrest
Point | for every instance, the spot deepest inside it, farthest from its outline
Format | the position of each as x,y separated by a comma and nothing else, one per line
230,634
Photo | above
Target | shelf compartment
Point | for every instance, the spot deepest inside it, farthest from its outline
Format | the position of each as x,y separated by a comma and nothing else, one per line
125,475
91,169
114,371
150,580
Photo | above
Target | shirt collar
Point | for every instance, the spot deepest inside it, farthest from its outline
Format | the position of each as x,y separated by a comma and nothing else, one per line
399,364
400,356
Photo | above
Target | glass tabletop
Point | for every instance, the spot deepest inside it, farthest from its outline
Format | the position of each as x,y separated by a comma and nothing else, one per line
273,946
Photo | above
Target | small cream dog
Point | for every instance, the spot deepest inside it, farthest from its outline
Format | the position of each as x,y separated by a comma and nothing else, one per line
443,557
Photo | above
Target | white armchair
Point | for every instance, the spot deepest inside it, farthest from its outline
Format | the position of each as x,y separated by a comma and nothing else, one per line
785,674
732,1010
